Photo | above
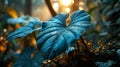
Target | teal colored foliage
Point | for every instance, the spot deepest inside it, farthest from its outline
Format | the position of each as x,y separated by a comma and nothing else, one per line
25,30
54,38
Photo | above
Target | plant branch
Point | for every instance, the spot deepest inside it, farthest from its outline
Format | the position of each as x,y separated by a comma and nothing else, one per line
50,8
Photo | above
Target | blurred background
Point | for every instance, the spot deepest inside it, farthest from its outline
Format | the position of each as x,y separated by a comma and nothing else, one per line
104,31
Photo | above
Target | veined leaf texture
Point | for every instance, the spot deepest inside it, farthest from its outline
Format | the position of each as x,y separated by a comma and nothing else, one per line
56,36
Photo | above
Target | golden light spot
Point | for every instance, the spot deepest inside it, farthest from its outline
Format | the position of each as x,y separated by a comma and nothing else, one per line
12,12
81,8
49,61
1,38
56,6
67,2
67,10
3,49
5,30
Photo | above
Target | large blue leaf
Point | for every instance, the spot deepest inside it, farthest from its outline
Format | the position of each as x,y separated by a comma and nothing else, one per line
24,31
25,59
56,36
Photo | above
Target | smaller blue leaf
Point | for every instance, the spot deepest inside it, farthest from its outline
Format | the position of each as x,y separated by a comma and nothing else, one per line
24,31
21,20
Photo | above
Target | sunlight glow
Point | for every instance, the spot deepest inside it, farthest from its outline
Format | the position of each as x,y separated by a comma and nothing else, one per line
67,2
1,38
67,10
81,6
5,30
81,3
56,6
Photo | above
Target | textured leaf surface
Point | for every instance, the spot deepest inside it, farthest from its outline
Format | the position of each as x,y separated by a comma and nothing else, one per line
56,36
25,58
24,31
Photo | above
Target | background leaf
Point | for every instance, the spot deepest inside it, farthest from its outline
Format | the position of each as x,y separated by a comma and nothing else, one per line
21,20
24,31
28,58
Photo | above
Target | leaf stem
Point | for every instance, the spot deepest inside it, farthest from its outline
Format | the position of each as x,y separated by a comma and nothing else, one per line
83,41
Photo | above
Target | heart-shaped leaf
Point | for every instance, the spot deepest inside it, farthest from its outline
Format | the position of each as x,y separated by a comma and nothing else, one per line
24,31
56,36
